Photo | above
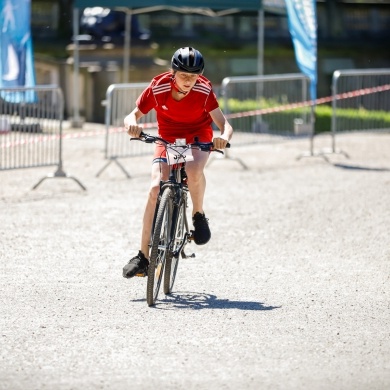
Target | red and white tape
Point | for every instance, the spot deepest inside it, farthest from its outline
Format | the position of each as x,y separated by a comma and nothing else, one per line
47,138
346,95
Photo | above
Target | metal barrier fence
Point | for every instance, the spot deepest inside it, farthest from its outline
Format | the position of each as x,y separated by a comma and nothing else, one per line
238,96
265,108
120,101
353,110
31,129
245,98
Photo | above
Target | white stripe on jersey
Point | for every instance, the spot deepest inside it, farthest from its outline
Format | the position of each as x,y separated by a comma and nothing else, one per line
161,88
202,89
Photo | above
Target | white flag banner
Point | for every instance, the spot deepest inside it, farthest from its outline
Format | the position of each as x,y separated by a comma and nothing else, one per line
16,51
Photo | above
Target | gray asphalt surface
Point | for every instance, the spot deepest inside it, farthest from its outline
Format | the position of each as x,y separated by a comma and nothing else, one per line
292,292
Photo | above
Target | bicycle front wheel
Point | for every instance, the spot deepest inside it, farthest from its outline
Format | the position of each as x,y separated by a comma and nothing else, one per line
179,236
160,250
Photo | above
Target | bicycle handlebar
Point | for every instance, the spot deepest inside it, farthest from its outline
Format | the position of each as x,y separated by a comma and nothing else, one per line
203,146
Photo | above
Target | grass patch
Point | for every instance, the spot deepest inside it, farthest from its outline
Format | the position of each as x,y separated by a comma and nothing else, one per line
347,119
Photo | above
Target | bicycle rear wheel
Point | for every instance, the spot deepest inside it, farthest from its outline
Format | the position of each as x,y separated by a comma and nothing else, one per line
160,250
180,234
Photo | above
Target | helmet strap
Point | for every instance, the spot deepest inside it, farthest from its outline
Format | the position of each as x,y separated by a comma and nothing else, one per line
176,88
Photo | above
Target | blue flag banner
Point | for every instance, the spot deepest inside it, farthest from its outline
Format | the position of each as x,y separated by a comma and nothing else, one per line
302,21
16,50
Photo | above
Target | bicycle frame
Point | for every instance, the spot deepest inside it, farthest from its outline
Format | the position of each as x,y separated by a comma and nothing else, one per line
177,182
170,232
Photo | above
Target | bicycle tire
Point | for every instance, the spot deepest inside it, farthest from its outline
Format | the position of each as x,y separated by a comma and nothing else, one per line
179,235
160,250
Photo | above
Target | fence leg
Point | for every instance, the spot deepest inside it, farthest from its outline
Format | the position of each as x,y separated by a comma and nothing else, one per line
226,156
61,174
311,152
322,153
121,167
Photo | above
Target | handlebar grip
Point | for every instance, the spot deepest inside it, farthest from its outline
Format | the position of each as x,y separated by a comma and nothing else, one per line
141,136
227,146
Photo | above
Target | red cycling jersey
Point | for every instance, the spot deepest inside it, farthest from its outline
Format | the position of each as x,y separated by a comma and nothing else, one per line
187,118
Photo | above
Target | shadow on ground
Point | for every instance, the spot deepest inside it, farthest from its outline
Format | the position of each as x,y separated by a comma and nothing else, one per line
360,168
198,301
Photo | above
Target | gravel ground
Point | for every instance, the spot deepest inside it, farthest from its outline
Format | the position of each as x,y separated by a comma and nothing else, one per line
292,292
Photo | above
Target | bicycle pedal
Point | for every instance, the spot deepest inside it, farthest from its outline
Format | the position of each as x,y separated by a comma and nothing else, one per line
141,274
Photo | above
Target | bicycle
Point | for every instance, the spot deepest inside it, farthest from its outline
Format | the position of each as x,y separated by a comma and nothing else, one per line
170,232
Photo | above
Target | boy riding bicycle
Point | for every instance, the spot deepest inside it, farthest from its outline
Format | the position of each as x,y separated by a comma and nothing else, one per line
186,106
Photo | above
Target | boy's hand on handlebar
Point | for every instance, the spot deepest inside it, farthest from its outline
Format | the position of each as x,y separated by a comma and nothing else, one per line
220,143
134,130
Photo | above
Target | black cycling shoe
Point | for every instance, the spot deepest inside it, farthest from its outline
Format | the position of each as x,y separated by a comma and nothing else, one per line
202,233
137,266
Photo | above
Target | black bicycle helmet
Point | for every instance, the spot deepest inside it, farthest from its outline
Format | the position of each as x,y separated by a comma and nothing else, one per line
187,59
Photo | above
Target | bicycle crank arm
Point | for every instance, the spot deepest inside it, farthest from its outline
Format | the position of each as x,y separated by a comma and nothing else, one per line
187,239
